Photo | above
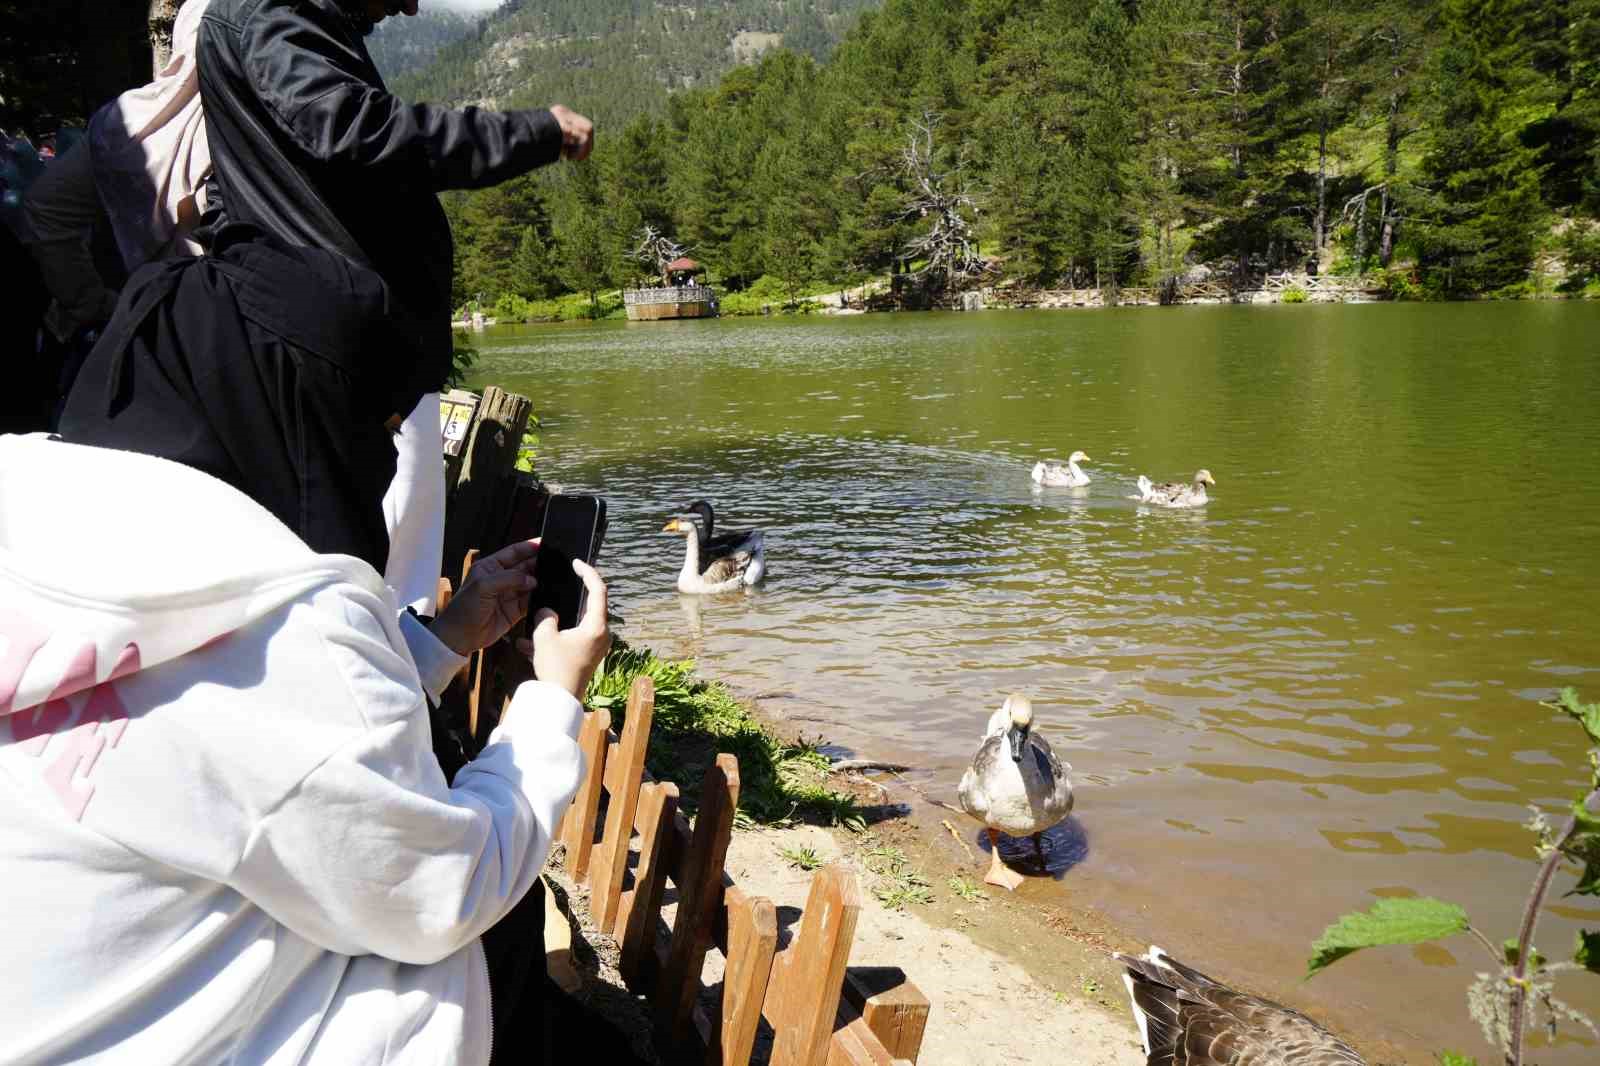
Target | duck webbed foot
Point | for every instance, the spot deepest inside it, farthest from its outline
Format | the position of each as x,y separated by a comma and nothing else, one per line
999,874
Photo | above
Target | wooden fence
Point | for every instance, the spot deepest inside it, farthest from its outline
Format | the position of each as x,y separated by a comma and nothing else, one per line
821,1012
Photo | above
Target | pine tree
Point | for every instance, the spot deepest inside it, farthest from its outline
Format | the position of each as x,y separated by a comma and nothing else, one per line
1485,179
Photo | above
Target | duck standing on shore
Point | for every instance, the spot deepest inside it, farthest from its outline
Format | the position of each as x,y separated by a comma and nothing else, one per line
1054,474
1175,494
1184,1016
1015,785
714,564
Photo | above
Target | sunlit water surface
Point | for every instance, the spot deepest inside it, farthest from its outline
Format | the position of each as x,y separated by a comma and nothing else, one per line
1320,690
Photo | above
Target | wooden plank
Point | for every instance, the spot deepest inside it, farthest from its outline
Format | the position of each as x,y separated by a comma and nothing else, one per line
474,661
699,898
441,598
627,760
892,1007
579,825
558,946
640,907
803,998
752,941
853,1044
479,502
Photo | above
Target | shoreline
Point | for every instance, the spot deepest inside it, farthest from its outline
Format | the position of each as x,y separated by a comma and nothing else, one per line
974,950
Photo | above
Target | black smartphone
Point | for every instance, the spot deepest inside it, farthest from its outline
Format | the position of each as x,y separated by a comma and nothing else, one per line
574,527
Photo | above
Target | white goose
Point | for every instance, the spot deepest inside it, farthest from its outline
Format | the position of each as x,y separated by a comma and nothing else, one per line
1015,784
1053,473
720,564
1175,494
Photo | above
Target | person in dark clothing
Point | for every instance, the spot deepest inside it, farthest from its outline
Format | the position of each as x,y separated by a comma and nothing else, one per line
331,262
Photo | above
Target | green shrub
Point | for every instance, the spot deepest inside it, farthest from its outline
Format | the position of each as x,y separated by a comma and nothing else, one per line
1293,295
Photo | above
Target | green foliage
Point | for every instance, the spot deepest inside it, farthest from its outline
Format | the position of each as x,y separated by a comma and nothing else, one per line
801,858
528,450
462,358
1587,952
1454,1058
967,891
695,720
1105,143
1390,921
897,883
1293,295
1586,714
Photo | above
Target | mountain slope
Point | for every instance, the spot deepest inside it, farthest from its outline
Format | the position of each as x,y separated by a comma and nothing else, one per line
402,46
614,59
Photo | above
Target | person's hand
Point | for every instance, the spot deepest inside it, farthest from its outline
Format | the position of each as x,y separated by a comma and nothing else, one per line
492,599
568,657
577,133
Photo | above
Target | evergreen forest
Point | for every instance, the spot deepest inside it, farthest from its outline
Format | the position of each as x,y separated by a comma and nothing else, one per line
1450,148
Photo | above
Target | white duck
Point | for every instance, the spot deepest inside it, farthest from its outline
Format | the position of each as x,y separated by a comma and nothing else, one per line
723,564
1185,1016
1175,494
1053,473
1015,784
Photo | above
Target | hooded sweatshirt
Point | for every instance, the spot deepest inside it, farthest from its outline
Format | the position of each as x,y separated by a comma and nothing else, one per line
227,839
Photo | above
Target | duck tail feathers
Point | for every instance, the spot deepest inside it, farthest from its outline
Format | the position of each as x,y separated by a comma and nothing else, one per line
1038,473
1145,485
1155,1009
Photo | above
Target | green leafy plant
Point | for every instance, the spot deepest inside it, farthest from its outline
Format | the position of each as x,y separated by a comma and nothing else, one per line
1293,295
528,450
801,858
967,891
898,882
1502,998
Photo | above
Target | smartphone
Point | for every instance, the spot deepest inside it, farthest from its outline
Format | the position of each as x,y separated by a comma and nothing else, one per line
574,527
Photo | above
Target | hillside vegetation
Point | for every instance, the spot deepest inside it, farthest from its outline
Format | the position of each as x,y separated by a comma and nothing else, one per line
1449,146
613,59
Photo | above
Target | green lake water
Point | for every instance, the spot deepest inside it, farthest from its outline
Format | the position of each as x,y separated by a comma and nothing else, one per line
1320,690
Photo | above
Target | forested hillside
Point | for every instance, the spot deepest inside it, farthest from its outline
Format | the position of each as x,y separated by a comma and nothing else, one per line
405,45
1450,144
614,59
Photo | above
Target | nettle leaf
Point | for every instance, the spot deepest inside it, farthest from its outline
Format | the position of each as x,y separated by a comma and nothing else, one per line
1510,947
1587,714
1588,953
1584,846
1390,921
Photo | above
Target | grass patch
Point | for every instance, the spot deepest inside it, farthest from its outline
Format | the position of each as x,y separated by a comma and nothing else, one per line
897,884
801,858
967,891
779,782
1293,295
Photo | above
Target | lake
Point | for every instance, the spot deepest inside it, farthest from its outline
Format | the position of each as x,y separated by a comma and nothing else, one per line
1320,690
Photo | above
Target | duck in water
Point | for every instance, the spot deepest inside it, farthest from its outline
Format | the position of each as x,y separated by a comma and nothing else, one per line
1015,785
714,563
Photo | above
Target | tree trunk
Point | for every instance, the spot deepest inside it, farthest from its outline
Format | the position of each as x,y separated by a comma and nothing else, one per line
1322,191
1391,164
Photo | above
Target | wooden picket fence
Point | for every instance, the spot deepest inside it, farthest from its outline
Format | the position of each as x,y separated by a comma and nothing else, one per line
822,1012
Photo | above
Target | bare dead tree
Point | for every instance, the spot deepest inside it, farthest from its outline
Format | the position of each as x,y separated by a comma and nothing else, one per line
654,250
948,248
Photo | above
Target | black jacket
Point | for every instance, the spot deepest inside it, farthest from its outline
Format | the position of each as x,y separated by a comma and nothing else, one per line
308,145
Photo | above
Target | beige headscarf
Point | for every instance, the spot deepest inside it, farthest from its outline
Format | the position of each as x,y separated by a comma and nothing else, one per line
151,156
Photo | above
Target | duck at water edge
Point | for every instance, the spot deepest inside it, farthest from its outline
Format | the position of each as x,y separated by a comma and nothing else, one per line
1053,473
1015,785
1184,1016
1175,494
714,564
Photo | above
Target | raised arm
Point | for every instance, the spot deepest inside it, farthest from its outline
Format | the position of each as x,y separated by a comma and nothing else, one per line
312,75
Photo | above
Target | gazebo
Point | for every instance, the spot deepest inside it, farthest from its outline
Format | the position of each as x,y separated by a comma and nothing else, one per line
681,271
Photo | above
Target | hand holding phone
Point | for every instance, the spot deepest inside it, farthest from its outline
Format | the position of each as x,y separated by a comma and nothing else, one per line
574,528
569,657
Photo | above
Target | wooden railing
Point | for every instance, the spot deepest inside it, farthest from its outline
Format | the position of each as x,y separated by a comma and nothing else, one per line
822,1013
671,294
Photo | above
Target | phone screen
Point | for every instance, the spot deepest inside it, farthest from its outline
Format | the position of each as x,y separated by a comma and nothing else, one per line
573,529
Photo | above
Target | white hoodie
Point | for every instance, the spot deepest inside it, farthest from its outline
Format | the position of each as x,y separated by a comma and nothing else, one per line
226,838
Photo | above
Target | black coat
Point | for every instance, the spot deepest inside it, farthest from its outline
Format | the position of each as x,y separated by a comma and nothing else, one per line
309,146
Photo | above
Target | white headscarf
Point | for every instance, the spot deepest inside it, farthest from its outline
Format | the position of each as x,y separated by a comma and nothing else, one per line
151,156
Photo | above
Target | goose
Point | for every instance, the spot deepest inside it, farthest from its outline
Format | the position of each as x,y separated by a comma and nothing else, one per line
1053,473
1015,785
1185,1016
1175,493
722,564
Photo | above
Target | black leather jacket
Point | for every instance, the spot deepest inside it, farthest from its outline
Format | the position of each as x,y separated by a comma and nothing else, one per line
308,145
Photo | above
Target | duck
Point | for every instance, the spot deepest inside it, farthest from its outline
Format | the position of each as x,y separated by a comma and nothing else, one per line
1015,785
1185,1016
1053,473
714,564
1176,494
